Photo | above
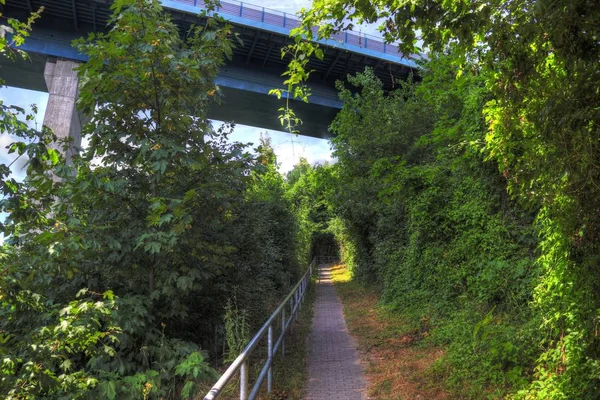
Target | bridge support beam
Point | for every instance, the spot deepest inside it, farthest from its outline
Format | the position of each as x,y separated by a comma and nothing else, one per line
61,112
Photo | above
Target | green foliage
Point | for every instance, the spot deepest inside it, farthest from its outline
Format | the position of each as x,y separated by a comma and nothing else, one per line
41,341
237,332
309,190
115,264
296,76
265,232
14,34
538,61
422,216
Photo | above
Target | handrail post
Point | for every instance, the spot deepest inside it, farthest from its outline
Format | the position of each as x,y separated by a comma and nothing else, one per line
306,283
270,359
244,381
303,290
241,8
283,332
306,280
241,365
284,18
262,18
291,313
297,304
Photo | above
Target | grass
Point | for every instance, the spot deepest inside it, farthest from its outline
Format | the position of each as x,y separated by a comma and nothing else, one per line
397,363
289,372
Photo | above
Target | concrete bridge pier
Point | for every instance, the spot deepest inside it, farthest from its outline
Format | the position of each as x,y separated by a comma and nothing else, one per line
62,115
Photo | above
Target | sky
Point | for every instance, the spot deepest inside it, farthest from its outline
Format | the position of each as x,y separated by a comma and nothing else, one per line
292,6
288,148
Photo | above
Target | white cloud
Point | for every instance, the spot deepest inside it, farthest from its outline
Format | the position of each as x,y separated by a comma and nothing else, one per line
22,98
293,6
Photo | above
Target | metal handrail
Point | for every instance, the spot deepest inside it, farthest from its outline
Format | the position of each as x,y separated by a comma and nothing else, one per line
294,300
284,20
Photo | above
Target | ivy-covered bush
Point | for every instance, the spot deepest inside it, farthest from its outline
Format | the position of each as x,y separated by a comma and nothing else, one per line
431,224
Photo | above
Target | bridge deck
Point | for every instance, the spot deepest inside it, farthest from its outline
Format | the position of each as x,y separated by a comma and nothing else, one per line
334,370
255,68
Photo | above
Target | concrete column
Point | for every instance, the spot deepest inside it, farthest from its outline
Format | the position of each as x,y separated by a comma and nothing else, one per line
61,113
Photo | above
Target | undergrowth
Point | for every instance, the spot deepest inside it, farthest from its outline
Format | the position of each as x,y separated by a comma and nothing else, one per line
397,357
289,371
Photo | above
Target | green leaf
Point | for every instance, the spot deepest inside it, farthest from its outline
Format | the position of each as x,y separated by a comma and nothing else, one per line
108,389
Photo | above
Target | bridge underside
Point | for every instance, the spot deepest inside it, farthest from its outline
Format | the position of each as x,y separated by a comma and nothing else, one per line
256,66
246,100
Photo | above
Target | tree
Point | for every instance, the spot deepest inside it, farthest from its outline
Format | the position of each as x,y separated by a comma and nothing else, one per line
38,336
118,267
138,214
539,60
309,191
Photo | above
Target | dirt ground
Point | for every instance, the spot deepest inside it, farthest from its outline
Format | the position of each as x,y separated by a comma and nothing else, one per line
396,363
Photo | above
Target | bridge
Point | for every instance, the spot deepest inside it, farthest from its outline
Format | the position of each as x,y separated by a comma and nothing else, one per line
255,68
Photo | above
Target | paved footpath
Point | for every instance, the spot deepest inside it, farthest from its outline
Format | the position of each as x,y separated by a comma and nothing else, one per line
334,372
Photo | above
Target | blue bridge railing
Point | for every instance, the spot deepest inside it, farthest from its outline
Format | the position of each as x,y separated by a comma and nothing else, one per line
284,20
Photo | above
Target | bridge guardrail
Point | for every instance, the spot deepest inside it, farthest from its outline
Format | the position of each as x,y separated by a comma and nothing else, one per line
293,301
284,20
